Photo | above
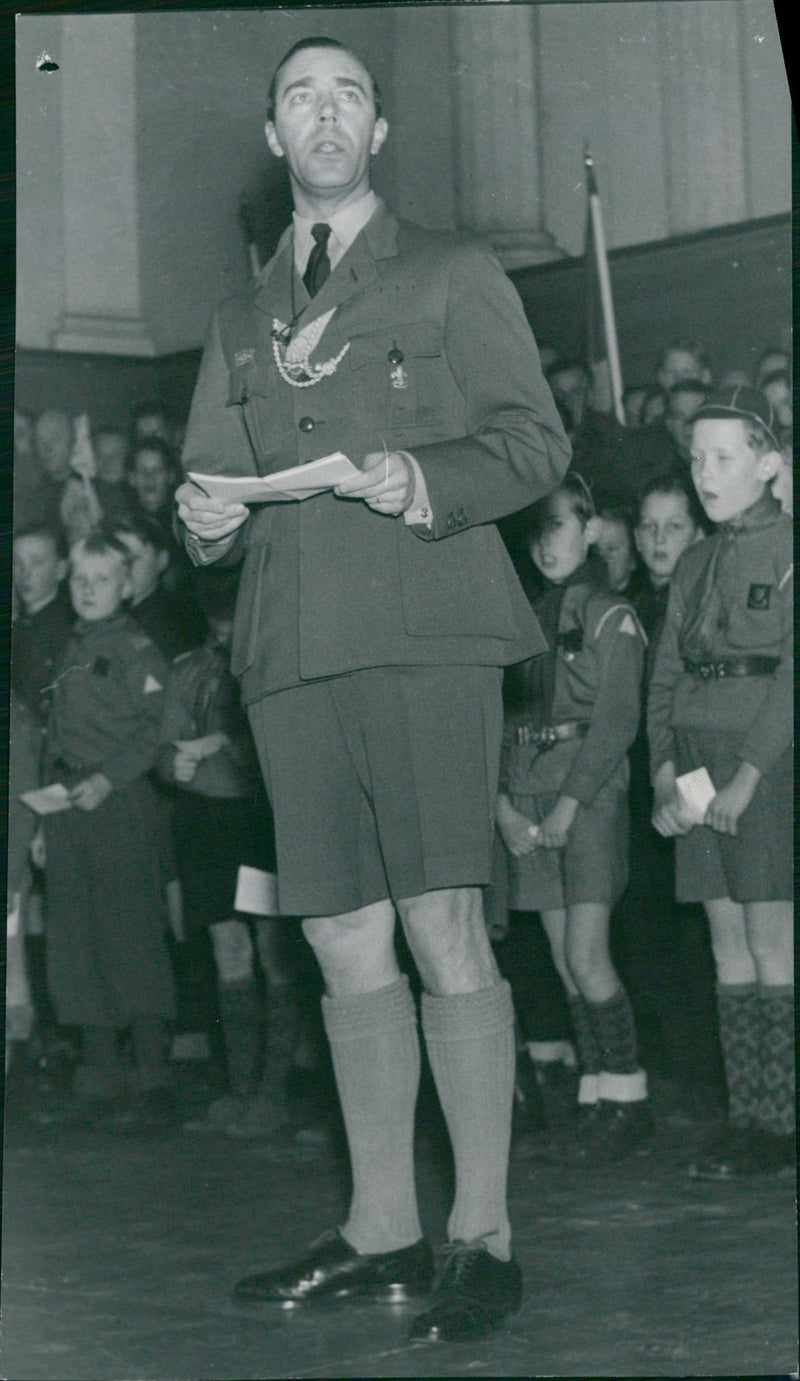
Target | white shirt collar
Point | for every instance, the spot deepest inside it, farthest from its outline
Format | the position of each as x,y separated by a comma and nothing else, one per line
345,226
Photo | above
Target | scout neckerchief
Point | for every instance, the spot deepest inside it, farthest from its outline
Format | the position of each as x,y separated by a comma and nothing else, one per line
700,632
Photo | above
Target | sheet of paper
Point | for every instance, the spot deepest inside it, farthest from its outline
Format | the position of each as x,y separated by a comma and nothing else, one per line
256,892
696,791
47,800
301,482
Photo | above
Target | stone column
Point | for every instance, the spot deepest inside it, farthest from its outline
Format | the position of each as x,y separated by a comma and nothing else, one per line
703,100
495,56
102,282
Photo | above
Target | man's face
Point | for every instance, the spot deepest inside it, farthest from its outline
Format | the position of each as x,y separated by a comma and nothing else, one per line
614,548
325,127
678,365
780,395
681,408
728,474
37,571
98,584
53,440
664,530
151,425
110,452
147,563
150,480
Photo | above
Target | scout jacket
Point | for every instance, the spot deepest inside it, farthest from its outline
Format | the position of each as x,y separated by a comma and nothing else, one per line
329,586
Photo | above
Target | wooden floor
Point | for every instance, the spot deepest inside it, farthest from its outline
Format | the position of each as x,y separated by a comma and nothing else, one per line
119,1255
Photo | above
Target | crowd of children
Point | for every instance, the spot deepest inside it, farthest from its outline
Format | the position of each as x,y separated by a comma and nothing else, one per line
646,932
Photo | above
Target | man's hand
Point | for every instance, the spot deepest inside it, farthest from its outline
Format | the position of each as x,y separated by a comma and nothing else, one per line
184,765
732,800
555,827
91,792
515,829
206,518
669,813
386,483
190,752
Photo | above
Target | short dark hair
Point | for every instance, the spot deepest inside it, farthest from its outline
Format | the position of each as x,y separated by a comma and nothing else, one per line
669,482
318,42
102,541
49,531
141,525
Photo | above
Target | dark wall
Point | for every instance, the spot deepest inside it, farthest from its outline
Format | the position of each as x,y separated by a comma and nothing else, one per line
730,289
105,386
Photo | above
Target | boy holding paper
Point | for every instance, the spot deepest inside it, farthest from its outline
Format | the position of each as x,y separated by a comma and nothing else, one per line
720,716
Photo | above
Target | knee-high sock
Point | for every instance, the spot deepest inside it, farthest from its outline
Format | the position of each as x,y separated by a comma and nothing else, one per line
238,1012
376,1060
470,1040
776,1102
740,1036
621,1080
588,1049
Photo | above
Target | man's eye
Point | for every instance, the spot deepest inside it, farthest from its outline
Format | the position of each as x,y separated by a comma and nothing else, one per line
349,93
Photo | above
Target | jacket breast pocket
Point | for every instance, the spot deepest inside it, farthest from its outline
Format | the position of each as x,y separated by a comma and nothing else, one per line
398,376
251,389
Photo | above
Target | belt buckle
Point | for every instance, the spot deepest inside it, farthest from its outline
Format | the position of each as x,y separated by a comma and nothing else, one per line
720,671
705,670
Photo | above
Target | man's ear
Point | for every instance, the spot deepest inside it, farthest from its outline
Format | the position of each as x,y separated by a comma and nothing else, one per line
272,139
378,135
768,466
592,531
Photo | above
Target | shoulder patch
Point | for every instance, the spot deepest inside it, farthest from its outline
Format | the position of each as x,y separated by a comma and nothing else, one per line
151,685
628,624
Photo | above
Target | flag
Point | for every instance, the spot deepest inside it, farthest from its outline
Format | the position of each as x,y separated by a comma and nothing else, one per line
602,350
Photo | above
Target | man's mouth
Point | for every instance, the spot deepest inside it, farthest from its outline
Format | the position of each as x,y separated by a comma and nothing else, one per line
327,146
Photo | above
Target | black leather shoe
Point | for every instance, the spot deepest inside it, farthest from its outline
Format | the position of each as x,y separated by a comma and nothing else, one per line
475,1292
332,1269
738,1153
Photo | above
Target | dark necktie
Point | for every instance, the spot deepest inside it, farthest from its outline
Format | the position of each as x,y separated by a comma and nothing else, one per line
319,265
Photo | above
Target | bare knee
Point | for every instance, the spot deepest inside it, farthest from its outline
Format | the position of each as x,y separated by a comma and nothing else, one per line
446,933
355,950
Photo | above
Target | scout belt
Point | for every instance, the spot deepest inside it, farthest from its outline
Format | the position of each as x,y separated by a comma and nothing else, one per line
731,666
550,734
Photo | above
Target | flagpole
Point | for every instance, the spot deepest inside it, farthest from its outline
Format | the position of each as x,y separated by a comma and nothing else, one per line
604,280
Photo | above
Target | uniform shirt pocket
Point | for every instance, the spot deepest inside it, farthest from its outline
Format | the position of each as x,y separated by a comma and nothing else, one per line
397,376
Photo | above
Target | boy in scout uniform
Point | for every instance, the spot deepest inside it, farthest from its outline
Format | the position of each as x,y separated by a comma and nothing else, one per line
107,960
371,626
563,808
721,699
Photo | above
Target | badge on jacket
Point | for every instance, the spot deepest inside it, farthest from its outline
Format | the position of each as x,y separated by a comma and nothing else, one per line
759,595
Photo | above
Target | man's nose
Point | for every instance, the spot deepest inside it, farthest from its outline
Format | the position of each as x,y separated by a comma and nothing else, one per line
326,108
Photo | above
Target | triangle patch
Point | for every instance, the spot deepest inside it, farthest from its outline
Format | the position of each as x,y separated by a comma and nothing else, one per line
627,626
151,684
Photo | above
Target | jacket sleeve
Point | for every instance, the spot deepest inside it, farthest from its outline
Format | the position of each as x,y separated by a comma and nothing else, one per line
216,444
515,450
667,671
176,721
771,734
146,674
620,643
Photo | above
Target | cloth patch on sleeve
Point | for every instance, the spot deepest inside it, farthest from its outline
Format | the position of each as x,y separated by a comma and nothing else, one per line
151,684
627,626
758,597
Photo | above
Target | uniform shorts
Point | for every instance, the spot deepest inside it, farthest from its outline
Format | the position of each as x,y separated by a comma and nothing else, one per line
382,782
593,865
756,863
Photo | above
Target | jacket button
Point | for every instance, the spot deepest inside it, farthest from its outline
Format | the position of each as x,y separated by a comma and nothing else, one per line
306,424
461,519
451,522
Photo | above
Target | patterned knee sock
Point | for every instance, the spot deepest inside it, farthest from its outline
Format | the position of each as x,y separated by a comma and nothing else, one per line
376,1060
776,1102
621,1079
588,1050
740,1036
470,1040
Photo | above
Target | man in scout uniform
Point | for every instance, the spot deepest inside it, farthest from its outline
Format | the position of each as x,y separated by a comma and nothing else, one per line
372,623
